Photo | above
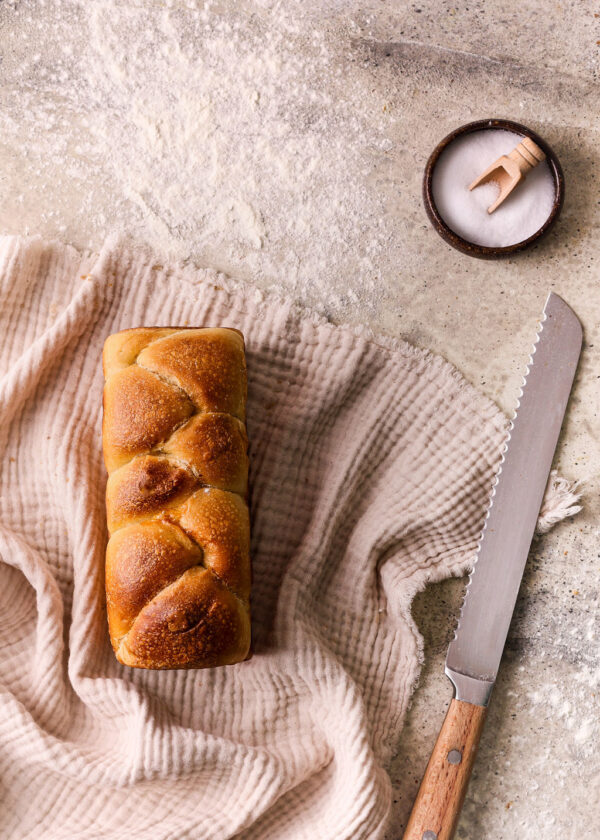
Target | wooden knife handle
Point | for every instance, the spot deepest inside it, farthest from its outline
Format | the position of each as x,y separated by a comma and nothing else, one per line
440,797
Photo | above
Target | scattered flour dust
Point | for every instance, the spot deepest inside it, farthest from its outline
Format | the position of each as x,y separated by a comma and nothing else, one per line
564,703
222,133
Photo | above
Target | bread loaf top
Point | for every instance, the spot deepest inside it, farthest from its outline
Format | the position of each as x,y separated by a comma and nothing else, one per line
175,447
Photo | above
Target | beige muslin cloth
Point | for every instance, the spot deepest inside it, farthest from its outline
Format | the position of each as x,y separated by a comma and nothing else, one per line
371,464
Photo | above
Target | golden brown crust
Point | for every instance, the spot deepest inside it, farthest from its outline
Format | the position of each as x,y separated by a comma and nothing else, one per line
144,488
123,348
216,444
140,561
140,411
177,563
209,365
196,623
219,523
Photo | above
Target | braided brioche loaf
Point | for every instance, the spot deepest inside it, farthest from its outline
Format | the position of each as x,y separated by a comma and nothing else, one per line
175,447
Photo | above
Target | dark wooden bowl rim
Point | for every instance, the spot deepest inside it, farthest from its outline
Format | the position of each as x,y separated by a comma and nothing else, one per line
485,251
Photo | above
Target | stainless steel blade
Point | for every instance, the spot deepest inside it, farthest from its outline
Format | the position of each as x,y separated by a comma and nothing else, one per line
474,654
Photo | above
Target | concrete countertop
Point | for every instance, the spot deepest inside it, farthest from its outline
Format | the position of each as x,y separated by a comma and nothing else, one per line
388,84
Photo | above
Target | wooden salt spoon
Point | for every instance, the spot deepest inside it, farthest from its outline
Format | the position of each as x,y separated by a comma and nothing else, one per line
509,170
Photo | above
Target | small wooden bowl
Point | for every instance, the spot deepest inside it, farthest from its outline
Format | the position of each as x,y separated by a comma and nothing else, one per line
487,252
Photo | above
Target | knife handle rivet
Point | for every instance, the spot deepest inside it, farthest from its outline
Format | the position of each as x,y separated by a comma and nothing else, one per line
429,835
455,756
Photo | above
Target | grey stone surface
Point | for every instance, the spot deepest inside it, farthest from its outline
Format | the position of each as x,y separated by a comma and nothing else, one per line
392,80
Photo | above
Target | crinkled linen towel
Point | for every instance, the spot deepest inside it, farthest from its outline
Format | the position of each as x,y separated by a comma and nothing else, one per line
371,464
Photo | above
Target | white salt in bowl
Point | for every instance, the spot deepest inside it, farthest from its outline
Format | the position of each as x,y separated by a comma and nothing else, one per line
460,216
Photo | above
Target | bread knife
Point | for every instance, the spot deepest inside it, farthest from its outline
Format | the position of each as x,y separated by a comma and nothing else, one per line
474,654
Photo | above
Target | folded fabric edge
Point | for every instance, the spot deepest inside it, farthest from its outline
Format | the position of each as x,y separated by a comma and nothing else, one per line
561,500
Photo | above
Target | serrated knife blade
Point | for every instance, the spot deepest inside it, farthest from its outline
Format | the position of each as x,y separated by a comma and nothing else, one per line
474,654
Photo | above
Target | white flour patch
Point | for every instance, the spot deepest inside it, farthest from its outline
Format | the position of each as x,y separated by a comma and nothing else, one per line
228,136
